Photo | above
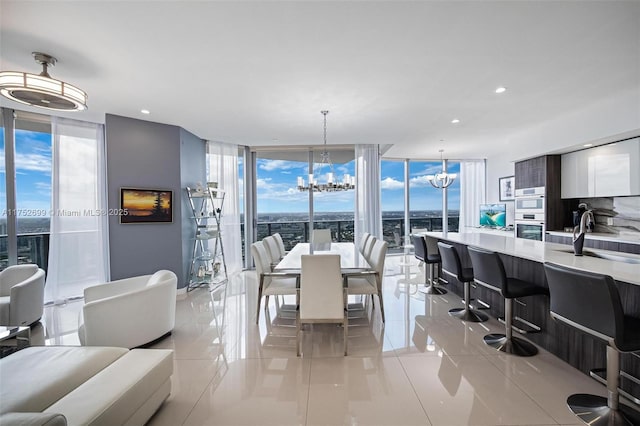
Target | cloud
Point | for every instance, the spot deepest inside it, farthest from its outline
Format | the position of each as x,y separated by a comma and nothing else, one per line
29,162
419,182
279,165
391,183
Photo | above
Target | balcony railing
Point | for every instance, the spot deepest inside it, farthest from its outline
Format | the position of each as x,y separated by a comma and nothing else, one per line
32,248
293,232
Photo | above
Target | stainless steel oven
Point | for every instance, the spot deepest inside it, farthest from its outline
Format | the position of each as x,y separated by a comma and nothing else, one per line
530,213
530,230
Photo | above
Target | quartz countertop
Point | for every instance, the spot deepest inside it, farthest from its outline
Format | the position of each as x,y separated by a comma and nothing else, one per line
560,254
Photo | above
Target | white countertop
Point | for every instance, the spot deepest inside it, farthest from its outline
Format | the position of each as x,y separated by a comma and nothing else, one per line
600,236
539,251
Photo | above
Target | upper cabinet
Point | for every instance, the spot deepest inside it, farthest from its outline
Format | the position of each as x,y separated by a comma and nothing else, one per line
605,171
531,173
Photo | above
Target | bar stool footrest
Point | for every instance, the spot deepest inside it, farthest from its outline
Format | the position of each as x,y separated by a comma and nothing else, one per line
600,376
530,328
593,410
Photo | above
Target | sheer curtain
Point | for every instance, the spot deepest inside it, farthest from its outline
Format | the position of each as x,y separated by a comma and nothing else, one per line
78,246
223,168
472,192
368,210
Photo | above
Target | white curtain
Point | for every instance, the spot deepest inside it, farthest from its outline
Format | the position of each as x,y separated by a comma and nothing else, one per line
78,246
368,210
223,168
472,192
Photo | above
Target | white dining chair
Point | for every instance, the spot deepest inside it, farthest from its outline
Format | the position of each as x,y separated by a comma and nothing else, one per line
322,294
368,248
370,282
363,242
321,236
278,238
273,250
271,283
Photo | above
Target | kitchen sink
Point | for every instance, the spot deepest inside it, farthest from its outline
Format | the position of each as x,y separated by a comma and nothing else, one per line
607,256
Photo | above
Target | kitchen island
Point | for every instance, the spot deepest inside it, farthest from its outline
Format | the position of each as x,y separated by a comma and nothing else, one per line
525,259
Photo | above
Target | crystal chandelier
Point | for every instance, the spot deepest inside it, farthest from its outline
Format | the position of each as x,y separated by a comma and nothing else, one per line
348,181
41,90
443,179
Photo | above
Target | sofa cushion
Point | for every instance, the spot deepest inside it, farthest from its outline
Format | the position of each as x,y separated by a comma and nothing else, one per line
113,396
32,419
34,378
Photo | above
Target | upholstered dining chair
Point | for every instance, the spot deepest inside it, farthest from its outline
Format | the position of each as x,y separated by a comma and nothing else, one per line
370,282
363,242
283,250
271,283
273,249
368,247
321,239
323,297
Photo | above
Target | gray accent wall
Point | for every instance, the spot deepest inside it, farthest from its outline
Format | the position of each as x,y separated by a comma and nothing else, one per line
143,154
192,171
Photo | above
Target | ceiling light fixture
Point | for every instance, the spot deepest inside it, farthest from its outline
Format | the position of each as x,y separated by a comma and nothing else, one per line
40,90
145,111
443,179
348,182
455,121
501,89
587,145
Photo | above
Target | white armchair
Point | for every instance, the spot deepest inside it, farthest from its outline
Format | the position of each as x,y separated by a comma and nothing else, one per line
130,312
21,295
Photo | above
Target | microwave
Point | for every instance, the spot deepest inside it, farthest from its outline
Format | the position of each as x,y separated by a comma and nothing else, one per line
529,205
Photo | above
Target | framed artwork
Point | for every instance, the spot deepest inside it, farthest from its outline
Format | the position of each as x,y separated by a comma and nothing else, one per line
506,187
146,205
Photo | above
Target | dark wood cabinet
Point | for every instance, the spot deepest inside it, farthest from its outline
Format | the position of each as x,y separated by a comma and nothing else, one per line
544,171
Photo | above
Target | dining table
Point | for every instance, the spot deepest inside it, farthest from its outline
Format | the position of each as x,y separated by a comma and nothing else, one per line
351,260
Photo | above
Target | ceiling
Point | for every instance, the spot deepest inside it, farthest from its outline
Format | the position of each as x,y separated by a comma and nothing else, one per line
258,73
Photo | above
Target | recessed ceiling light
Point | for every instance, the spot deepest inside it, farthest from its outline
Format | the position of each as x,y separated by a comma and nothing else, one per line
455,121
501,89
587,145
145,111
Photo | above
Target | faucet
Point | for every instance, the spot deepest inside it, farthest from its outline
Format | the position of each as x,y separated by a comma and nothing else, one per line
578,240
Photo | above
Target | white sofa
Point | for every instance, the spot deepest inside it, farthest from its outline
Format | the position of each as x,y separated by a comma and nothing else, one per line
129,313
21,295
58,385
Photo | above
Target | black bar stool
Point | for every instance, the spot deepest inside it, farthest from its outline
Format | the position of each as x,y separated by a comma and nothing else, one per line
421,253
451,266
488,271
591,303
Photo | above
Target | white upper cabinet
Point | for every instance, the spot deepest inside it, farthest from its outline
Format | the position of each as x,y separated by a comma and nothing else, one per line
605,171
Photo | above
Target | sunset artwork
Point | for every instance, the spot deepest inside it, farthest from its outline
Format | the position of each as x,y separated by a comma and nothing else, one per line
146,206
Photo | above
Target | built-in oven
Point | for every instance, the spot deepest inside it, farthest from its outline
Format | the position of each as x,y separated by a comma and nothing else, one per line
530,213
530,230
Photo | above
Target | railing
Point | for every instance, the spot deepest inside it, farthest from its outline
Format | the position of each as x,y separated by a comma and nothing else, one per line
32,248
293,232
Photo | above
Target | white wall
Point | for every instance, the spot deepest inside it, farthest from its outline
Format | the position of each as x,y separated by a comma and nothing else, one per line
608,120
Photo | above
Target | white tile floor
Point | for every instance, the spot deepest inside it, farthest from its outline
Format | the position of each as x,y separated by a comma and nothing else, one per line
422,367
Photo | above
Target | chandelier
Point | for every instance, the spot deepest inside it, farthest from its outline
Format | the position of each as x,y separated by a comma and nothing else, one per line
40,90
348,181
443,179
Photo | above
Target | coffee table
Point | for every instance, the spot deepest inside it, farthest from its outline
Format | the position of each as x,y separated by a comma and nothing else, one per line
21,336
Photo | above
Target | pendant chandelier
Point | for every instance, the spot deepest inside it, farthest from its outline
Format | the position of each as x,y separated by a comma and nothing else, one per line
443,179
40,90
348,181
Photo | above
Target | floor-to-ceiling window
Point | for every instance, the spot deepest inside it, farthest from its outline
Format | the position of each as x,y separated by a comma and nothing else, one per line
280,206
334,209
425,201
31,140
392,198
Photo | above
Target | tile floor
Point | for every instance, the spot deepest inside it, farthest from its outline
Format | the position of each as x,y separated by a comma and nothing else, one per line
422,367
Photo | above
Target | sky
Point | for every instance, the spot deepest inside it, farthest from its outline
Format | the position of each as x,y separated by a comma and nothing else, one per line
277,192
33,174
276,182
